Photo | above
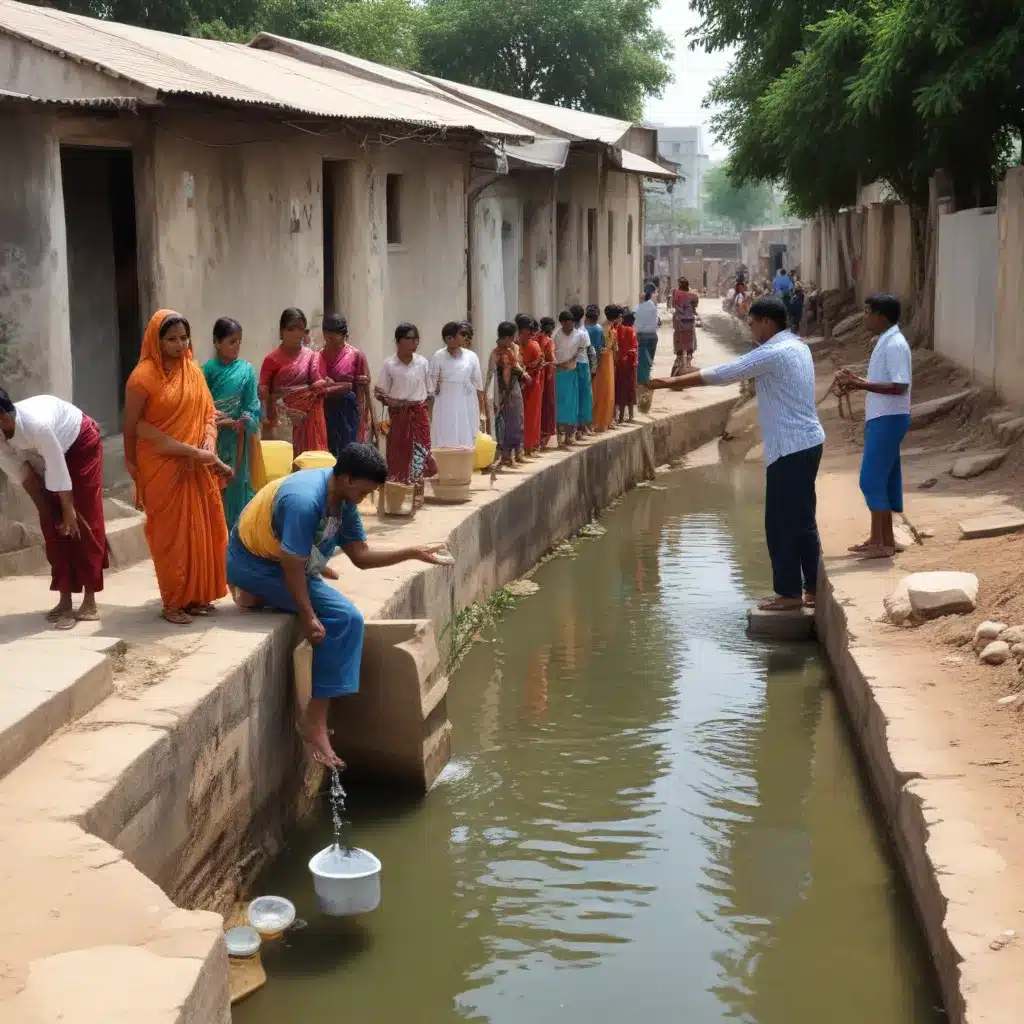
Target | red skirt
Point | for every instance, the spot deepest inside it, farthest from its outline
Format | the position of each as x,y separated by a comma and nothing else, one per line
625,384
533,402
77,565
409,458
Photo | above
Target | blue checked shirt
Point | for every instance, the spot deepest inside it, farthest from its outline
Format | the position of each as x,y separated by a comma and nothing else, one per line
784,372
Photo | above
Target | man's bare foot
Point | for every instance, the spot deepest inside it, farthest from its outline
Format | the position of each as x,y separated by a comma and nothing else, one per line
60,610
777,603
856,549
809,599
316,736
876,551
87,612
65,622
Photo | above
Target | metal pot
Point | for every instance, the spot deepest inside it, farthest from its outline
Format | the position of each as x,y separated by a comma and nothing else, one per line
346,882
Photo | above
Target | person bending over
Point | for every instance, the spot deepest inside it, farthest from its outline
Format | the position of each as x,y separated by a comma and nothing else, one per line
278,555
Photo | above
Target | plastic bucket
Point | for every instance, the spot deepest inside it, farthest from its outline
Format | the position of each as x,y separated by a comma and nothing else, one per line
277,459
314,460
346,882
486,449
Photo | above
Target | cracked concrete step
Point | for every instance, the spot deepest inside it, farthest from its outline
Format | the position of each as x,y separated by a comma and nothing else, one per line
126,539
923,413
49,682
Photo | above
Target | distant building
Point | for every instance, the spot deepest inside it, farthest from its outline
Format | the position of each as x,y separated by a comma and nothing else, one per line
685,146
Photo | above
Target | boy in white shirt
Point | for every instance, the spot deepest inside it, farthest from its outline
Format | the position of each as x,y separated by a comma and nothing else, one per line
886,421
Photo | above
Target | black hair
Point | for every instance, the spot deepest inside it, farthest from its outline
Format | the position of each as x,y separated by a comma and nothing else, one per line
225,327
612,311
628,318
522,320
683,283
534,324
466,327
767,307
450,329
6,405
649,290
547,323
361,462
506,329
334,323
577,312
564,315
173,321
885,305
403,329
291,316
593,311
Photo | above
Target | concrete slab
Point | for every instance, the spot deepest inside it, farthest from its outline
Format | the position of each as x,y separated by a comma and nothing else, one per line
995,525
974,465
44,691
789,625
923,413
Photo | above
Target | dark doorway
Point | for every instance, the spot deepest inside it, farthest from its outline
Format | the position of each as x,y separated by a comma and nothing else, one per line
592,282
103,278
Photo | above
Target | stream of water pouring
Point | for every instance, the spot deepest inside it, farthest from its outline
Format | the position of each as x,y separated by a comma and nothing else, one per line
338,816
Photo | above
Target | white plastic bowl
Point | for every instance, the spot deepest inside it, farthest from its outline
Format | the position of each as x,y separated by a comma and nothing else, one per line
242,942
271,915
346,883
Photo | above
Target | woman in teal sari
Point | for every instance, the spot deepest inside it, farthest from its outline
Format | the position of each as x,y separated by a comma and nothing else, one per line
233,384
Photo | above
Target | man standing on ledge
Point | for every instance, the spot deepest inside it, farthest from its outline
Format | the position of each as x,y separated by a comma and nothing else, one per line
793,441
277,557
886,421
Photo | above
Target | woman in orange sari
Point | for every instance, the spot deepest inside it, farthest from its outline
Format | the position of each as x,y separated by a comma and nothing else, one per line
170,449
294,375
532,357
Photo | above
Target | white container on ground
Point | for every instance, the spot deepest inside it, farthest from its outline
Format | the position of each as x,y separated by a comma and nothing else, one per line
346,882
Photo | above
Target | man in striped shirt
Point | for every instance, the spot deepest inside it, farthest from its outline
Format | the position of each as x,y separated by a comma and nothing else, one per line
793,441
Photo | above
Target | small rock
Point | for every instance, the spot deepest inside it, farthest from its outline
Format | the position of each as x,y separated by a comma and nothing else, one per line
1013,698
898,608
974,465
996,653
927,485
952,660
960,446
925,534
986,633
1002,940
1017,650
933,594
1012,635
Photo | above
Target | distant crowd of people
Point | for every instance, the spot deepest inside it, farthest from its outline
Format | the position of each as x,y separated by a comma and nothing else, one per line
784,286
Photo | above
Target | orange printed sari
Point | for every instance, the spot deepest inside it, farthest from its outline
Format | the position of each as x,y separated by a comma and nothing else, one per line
185,526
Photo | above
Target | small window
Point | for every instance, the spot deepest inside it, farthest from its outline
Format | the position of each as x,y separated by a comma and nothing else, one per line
629,235
393,208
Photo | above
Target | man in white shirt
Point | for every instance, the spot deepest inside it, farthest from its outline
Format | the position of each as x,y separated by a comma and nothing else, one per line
793,442
886,421
55,452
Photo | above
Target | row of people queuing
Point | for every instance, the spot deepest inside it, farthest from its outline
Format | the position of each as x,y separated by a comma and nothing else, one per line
192,434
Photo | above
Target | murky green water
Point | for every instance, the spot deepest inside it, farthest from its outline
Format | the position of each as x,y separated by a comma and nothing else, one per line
649,818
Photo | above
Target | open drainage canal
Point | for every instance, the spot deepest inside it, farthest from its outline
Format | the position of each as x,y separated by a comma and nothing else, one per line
649,816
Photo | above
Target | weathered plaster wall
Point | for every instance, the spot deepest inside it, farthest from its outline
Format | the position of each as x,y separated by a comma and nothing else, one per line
967,273
35,340
488,269
1009,323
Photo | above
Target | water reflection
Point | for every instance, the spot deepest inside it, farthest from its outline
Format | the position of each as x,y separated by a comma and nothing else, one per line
649,815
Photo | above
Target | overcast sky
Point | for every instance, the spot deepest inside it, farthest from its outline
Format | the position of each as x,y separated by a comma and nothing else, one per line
693,72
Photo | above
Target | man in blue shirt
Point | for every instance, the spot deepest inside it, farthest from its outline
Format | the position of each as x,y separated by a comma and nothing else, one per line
782,285
278,555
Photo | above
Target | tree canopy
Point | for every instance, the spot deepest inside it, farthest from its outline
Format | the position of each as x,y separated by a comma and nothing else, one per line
603,56
743,205
824,96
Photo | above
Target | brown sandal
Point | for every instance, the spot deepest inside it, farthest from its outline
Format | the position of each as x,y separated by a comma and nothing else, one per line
176,617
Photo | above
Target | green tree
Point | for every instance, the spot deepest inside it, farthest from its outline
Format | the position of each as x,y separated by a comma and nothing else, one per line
744,205
603,56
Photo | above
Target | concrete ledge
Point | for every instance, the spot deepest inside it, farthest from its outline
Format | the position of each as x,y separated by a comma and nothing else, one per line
911,822
44,691
797,624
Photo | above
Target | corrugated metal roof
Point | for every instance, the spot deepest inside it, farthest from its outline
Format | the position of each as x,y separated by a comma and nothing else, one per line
641,165
129,103
571,124
184,66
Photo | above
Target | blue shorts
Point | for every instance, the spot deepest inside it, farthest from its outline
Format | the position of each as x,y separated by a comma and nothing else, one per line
337,657
881,477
